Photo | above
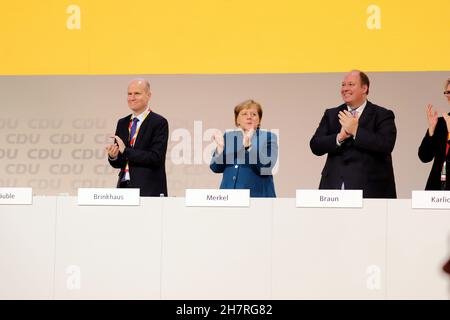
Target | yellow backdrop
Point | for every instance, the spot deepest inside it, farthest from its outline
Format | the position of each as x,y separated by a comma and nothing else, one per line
222,36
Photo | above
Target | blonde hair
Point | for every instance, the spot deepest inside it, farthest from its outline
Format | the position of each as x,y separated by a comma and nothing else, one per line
446,84
247,104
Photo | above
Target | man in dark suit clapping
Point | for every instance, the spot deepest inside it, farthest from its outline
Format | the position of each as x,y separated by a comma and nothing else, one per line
358,138
140,144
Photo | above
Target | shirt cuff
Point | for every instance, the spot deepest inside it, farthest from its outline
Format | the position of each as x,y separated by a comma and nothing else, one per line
337,141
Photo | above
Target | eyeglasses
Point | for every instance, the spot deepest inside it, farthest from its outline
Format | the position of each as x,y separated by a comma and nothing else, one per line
447,92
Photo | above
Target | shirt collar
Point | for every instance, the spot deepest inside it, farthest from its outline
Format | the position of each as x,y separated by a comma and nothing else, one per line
142,115
359,109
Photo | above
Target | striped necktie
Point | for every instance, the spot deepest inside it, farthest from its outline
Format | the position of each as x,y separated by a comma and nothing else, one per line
133,131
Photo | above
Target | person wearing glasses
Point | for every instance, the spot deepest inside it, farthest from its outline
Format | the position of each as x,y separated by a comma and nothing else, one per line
246,156
358,137
435,146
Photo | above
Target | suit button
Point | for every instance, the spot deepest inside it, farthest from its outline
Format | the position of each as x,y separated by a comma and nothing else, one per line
236,166
234,177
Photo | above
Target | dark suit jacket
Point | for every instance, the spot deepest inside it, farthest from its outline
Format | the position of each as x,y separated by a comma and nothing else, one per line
147,158
361,163
434,148
248,169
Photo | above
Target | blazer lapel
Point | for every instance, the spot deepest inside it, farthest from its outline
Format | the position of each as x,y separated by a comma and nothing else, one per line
366,115
124,132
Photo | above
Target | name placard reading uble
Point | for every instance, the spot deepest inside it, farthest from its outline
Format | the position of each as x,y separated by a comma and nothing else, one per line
430,199
108,197
16,195
329,198
217,197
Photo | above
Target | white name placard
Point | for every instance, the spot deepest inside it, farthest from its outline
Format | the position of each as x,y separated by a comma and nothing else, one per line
16,195
329,198
430,199
108,197
217,197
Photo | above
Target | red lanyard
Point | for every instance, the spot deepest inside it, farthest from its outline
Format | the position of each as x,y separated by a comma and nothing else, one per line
447,145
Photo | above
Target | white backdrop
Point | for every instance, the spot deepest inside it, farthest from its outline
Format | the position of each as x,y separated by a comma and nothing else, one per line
53,129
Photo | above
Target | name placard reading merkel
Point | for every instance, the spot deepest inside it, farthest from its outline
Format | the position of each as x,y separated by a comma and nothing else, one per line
430,199
217,197
329,198
16,195
108,197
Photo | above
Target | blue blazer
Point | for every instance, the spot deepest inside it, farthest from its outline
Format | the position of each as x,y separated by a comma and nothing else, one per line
248,169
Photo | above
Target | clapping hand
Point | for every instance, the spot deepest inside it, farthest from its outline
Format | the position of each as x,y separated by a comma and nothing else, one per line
218,139
432,117
120,143
248,138
348,122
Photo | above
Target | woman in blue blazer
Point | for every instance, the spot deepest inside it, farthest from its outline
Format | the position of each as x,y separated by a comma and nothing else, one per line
246,156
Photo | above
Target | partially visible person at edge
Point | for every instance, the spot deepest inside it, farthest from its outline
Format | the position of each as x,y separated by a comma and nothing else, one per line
435,145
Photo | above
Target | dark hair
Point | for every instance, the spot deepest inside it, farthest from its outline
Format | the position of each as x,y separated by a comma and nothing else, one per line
364,80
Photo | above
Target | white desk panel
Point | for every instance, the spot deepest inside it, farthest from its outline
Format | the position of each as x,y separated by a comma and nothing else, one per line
418,246
216,253
271,250
108,252
27,246
323,253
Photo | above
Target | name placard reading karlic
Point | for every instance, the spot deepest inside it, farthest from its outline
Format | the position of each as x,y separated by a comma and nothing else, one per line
217,197
329,198
430,199
108,197
16,195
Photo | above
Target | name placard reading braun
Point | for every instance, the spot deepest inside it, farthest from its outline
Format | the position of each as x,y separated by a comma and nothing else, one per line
329,198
